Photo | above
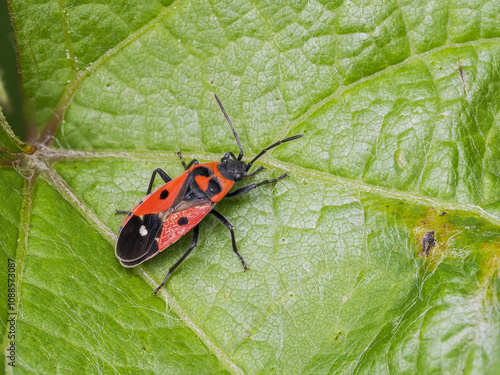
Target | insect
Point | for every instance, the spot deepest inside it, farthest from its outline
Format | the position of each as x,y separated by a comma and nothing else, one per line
172,210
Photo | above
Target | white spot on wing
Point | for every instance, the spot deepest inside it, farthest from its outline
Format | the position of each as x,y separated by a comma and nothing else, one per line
143,231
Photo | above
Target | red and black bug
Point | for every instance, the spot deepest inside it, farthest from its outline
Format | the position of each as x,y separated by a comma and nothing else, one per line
168,213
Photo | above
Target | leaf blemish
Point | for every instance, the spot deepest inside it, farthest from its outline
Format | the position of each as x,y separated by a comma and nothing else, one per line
339,333
428,243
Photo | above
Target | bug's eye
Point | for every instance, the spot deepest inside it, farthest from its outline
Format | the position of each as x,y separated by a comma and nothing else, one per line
238,177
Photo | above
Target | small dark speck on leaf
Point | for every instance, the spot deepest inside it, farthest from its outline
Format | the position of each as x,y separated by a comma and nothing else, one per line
428,243
442,213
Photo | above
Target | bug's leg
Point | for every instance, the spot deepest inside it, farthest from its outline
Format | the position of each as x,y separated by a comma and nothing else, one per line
191,163
261,168
194,242
122,212
229,226
247,188
164,176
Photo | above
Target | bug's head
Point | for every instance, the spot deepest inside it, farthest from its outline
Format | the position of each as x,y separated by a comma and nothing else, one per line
232,168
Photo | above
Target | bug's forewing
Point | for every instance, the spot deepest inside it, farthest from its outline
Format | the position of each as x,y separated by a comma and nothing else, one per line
160,219
163,230
138,237
181,222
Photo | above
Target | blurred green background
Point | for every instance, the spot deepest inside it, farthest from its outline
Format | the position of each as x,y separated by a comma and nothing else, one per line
9,74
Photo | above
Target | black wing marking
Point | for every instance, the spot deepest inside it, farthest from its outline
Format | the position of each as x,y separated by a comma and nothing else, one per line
151,253
138,239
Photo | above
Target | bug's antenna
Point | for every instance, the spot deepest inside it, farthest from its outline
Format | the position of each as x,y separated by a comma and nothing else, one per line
240,156
249,165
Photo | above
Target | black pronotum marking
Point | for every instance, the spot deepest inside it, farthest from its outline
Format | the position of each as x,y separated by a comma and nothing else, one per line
182,221
214,187
164,194
202,171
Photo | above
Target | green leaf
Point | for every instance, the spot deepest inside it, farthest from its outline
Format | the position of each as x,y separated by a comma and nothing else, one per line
399,105
11,187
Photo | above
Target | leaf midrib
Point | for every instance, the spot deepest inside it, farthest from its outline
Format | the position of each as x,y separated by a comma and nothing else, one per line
51,155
